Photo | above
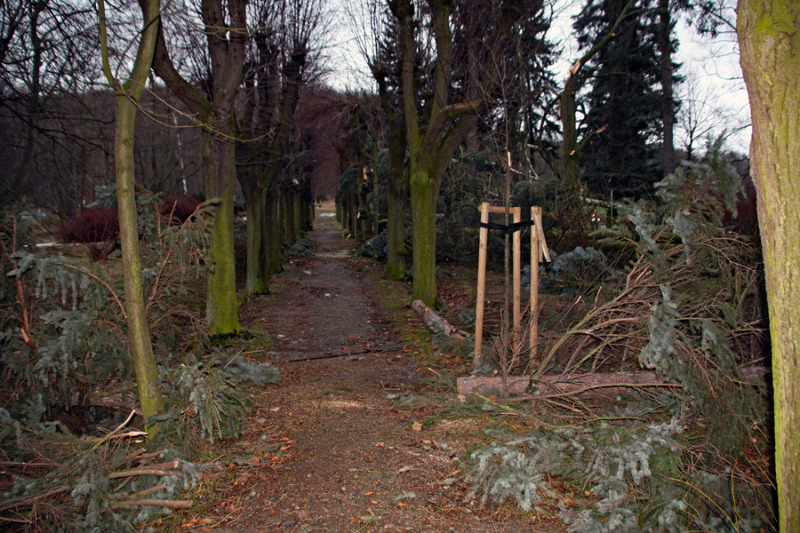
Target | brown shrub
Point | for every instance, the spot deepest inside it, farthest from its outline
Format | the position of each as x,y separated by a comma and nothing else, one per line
178,208
93,224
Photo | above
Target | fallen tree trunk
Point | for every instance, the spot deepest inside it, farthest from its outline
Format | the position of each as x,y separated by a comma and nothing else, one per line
585,386
598,385
433,321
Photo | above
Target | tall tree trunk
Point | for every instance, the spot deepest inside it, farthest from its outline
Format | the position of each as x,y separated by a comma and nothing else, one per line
272,246
219,162
396,213
298,212
225,37
570,147
667,104
770,56
127,97
570,151
424,194
256,208
139,344
433,138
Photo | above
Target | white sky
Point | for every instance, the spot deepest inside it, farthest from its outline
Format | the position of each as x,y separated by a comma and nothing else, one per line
711,68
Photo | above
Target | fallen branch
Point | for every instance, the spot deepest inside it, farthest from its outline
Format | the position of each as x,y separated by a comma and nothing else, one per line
168,504
163,469
433,321
585,385
142,493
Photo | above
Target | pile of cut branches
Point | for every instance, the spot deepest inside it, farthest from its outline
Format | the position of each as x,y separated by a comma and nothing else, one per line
85,483
688,307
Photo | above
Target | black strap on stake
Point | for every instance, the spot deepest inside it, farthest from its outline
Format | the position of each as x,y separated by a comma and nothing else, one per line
511,228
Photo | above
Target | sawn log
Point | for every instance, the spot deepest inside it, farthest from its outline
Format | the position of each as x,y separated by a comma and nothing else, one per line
433,321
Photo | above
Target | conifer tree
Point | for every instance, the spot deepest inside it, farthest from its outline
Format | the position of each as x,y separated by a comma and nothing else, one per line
624,103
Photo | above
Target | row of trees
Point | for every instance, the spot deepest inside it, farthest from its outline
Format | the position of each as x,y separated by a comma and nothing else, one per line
222,86
225,85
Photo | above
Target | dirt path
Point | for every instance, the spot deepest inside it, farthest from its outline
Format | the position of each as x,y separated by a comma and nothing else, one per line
336,445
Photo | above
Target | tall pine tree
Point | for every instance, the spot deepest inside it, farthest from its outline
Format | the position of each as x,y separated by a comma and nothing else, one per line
625,103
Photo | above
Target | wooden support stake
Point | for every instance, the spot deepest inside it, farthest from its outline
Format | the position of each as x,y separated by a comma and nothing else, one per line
517,252
484,241
534,340
539,252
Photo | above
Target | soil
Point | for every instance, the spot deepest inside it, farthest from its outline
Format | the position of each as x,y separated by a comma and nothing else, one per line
347,440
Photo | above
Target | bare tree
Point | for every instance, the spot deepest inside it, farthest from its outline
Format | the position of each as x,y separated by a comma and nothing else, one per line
377,39
211,101
281,57
450,108
47,51
127,94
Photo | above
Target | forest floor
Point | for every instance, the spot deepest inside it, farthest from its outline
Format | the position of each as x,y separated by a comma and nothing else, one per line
354,437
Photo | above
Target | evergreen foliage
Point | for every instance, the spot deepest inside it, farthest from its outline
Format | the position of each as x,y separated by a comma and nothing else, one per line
94,484
70,311
62,341
697,343
575,272
612,462
691,307
219,408
624,105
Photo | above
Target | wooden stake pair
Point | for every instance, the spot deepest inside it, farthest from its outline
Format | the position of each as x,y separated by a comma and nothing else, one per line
538,252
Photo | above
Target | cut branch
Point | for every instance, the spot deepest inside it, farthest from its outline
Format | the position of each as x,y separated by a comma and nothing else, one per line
434,322
168,504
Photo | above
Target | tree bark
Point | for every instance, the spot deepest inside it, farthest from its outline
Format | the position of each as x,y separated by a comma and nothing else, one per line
434,322
570,146
274,230
433,138
219,165
225,38
397,184
770,57
396,213
257,281
668,106
127,97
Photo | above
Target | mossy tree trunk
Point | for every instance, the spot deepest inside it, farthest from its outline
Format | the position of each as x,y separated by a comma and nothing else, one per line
397,184
257,281
225,37
449,116
219,165
769,37
424,195
298,212
272,245
127,96
396,210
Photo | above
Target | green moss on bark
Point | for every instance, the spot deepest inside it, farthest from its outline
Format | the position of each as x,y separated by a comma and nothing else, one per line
770,56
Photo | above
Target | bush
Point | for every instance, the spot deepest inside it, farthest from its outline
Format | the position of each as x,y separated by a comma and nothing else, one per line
93,224
178,209
573,273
